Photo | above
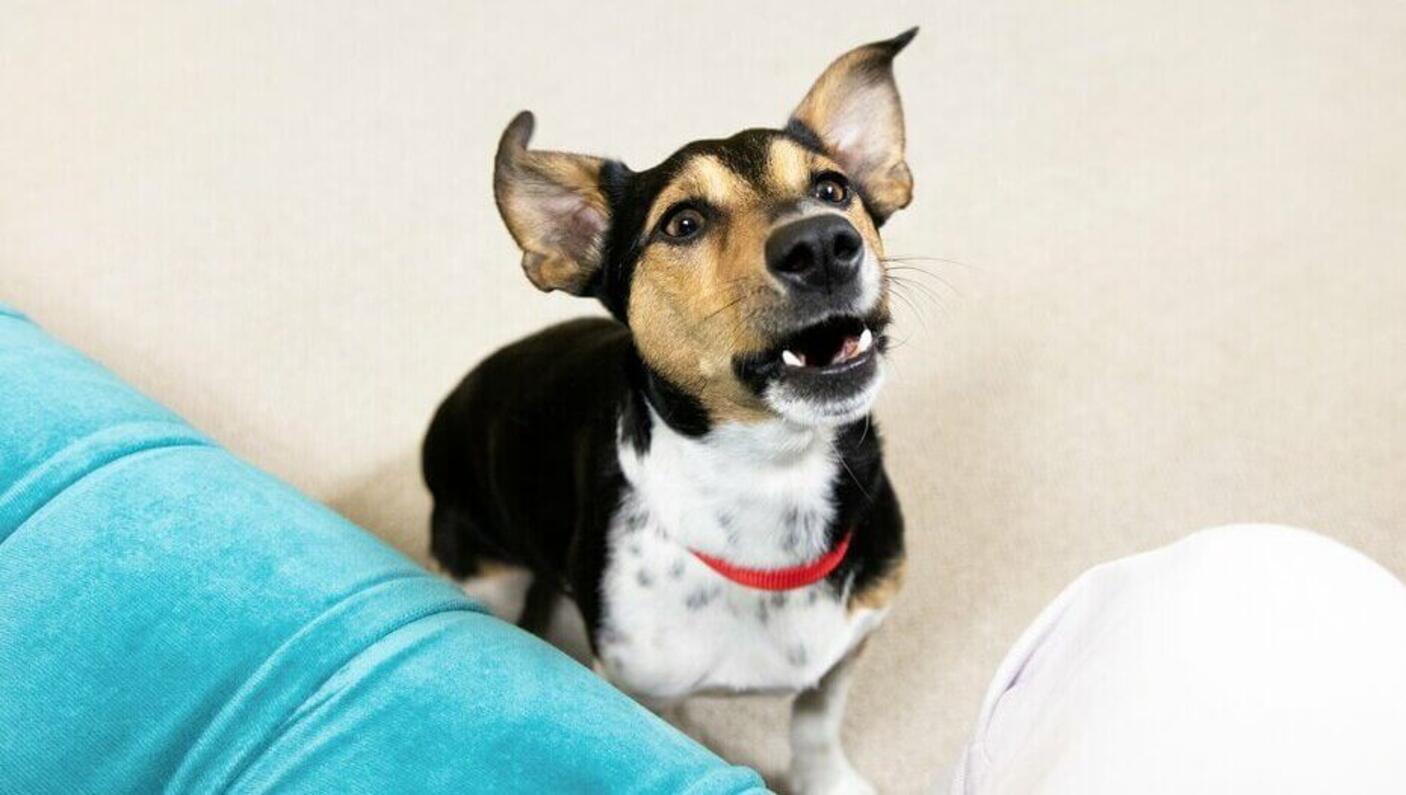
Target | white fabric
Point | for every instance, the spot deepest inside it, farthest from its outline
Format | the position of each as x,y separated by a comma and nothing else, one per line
1244,659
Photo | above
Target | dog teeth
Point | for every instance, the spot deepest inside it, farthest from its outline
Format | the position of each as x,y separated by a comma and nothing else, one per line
851,348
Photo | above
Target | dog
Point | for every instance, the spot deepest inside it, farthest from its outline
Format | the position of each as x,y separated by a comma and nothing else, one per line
699,472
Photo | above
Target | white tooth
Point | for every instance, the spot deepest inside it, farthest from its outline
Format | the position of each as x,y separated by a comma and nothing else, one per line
793,359
865,340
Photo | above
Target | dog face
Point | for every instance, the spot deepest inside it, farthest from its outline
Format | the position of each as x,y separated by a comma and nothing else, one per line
749,269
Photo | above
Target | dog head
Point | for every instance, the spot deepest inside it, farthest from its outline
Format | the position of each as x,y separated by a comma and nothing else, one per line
749,269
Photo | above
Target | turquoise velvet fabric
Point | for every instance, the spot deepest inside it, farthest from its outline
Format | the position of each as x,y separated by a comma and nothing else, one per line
172,619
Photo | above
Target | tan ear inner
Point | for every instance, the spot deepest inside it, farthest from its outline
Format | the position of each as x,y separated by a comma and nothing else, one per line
855,111
553,206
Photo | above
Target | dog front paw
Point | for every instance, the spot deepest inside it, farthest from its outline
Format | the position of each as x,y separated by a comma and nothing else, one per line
830,776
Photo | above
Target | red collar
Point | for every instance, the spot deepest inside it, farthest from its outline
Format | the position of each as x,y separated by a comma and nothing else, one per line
780,579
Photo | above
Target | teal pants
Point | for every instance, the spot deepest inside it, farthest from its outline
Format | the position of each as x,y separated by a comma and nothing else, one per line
173,619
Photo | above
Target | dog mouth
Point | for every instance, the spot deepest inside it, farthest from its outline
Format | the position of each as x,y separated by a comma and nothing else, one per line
830,346
824,372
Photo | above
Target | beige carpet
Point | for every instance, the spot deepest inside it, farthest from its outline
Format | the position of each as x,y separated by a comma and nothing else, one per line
1174,235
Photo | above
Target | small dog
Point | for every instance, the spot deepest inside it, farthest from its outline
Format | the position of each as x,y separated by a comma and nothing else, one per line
700,474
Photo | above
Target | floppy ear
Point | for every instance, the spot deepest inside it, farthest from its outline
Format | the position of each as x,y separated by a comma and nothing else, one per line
855,112
554,207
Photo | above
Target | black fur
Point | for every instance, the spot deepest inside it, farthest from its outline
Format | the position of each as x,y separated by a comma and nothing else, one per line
521,458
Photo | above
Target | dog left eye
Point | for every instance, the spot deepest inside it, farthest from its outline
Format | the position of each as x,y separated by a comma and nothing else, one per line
830,189
683,224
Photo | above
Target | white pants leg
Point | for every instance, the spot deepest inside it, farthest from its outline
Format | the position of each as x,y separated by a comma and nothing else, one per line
1245,659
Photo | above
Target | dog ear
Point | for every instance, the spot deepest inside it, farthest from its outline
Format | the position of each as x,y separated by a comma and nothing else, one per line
854,110
553,205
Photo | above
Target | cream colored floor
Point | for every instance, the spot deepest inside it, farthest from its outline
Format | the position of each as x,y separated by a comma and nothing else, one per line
1175,235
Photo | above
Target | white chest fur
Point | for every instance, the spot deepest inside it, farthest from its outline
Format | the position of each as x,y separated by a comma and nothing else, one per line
757,496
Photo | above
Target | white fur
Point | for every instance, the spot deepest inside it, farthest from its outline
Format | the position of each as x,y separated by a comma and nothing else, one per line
871,282
757,495
818,761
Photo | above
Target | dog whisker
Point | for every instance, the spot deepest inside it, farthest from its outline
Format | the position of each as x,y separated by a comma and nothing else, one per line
899,290
841,458
723,308
740,297
927,292
916,271
912,259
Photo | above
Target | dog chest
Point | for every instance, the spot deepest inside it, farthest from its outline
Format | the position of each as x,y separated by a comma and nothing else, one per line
758,495
671,626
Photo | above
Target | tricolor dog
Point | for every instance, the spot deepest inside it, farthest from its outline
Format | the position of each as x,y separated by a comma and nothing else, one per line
699,473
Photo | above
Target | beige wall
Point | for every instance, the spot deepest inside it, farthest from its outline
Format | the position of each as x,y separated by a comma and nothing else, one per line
1175,232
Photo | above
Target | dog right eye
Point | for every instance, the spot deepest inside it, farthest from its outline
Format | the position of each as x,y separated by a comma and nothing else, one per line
683,224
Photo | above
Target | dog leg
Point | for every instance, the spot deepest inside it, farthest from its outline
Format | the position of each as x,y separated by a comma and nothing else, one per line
538,606
818,762
501,588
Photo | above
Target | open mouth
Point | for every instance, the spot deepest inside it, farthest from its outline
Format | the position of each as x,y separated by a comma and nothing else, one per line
825,372
830,346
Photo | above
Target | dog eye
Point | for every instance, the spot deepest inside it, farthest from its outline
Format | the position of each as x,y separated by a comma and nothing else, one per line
830,188
683,224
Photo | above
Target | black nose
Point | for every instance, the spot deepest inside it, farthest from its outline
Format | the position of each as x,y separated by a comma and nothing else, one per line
822,252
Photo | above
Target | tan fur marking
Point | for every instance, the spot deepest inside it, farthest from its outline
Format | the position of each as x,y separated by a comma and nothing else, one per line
489,567
790,165
706,178
882,591
691,305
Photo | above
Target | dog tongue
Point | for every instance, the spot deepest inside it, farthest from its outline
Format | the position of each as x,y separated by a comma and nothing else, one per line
848,350
852,347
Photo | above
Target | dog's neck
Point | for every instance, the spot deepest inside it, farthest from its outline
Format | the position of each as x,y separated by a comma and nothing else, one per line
756,494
